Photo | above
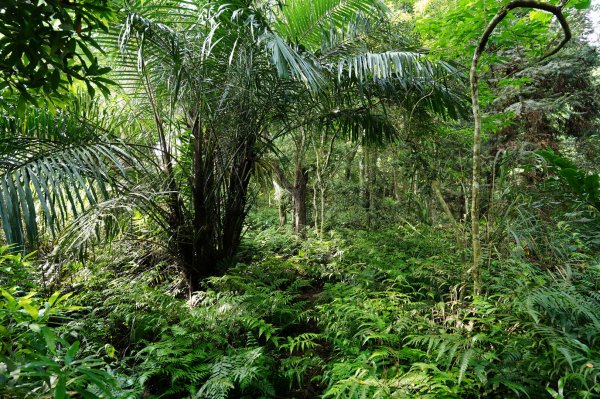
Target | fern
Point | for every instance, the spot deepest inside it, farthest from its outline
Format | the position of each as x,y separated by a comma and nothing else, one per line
241,370
295,369
302,342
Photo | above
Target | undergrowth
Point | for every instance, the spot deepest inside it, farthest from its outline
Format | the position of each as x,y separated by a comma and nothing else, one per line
357,314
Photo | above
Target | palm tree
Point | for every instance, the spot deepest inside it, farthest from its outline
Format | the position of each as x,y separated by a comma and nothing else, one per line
214,83
222,77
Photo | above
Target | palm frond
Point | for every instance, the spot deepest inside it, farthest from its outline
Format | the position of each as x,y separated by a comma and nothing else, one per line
364,125
407,76
290,63
305,21
56,165
113,217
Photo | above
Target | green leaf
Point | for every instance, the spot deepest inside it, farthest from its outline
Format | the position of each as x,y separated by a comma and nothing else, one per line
11,300
592,186
53,298
71,353
50,338
540,16
29,308
581,4
464,363
60,391
110,351
573,178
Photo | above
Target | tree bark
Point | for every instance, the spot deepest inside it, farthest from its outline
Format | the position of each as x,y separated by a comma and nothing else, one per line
281,202
475,183
365,184
323,152
282,214
315,210
299,200
298,193
349,161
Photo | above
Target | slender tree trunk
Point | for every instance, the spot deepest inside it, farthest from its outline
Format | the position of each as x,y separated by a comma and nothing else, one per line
322,195
460,243
183,246
298,194
282,214
465,199
215,230
435,185
198,234
315,206
299,200
476,179
280,200
458,233
204,235
349,162
394,184
412,199
365,184
323,152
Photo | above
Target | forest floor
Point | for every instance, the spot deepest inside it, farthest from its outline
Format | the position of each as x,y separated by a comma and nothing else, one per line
354,314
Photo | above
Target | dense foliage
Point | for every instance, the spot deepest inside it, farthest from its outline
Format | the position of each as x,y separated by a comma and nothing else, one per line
360,314
273,199
48,45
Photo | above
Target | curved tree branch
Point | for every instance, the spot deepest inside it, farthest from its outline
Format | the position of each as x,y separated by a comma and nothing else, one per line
475,270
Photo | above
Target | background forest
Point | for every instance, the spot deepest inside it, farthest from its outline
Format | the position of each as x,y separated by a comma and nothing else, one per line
299,199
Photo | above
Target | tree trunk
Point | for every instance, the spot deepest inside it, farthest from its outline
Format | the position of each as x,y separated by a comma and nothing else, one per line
315,210
323,152
280,199
435,185
322,195
237,200
299,200
365,184
282,214
298,193
349,161
214,233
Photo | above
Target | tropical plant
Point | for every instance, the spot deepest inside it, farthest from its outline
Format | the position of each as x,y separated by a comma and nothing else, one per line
62,162
586,186
219,86
37,359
